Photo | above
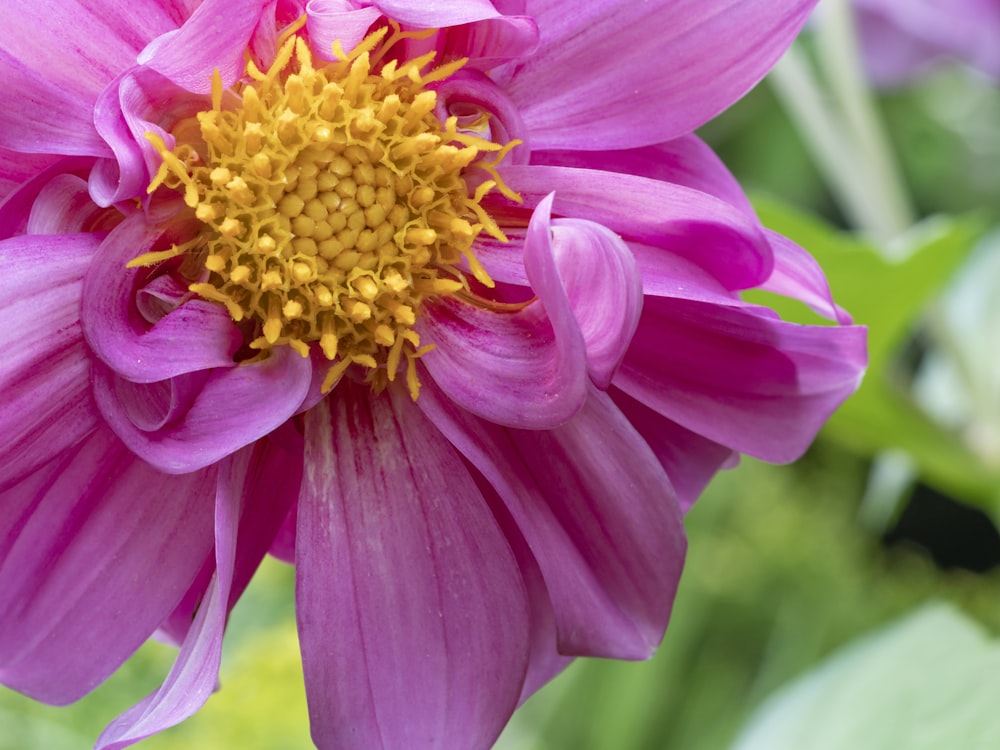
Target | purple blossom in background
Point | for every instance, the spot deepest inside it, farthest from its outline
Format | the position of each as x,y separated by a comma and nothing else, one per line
901,39
439,301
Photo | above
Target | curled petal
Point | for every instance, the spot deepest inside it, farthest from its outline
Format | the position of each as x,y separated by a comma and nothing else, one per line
234,407
741,377
471,95
597,512
399,556
330,21
472,29
722,239
196,336
270,490
87,534
15,209
438,14
510,367
131,106
153,406
63,206
213,38
604,288
196,671
160,297
588,283
255,489
491,44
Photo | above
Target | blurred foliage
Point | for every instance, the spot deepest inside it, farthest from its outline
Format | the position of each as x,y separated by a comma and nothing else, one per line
759,145
779,574
945,135
927,682
943,131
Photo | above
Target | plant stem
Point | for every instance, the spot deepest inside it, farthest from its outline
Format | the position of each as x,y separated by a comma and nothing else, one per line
841,127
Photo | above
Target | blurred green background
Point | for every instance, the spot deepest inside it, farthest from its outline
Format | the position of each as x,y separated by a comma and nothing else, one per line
867,571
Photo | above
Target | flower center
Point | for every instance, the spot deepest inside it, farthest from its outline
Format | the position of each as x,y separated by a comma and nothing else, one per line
332,203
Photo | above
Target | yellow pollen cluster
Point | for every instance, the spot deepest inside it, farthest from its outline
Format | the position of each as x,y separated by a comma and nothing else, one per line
332,203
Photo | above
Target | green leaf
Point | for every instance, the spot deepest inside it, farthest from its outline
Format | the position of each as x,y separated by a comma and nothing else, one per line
891,298
926,682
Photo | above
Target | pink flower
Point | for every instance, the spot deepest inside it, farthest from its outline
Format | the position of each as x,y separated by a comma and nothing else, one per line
903,38
230,241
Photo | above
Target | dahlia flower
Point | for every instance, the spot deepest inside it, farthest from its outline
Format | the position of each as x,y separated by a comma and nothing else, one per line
439,301
901,39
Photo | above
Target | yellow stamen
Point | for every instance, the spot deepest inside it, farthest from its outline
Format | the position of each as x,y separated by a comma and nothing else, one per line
333,202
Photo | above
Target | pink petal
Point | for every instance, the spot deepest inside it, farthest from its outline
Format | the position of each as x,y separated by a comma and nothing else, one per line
545,661
619,74
283,547
270,491
213,38
473,29
665,274
488,44
175,627
604,288
57,56
139,101
232,408
45,376
511,368
686,161
689,459
63,206
545,274
43,117
739,376
255,489
196,671
16,168
504,261
438,14
337,20
196,336
597,512
412,613
98,551
720,238
588,282
16,208
799,276
473,92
